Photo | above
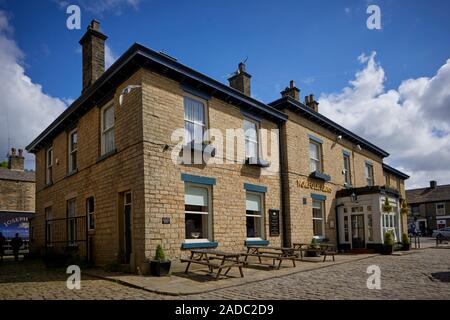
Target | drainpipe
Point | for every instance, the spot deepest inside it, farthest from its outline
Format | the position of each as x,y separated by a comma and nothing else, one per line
337,225
283,190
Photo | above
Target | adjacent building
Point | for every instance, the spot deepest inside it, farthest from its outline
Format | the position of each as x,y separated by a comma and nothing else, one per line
116,176
17,197
429,207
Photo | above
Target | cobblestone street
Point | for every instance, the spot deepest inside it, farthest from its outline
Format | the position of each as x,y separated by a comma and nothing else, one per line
424,274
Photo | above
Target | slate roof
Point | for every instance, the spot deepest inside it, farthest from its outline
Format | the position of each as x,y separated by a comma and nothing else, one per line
15,175
394,171
422,195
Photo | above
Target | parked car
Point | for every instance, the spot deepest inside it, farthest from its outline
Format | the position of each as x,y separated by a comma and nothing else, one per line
444,232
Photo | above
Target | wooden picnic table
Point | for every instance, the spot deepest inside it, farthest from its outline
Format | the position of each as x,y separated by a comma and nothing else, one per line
274,253
324,249
207,256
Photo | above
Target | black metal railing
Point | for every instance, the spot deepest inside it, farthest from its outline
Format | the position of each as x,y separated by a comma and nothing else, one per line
67,233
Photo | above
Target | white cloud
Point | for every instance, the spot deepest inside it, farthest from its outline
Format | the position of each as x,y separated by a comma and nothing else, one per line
410,122
25,110
110,57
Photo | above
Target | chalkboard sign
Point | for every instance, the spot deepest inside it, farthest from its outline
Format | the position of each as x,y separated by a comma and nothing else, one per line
274,222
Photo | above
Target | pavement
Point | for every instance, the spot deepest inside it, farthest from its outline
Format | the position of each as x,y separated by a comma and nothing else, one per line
418,274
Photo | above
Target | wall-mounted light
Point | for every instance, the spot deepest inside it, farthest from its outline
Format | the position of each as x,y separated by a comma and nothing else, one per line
359,147
354,197
339,137
127,90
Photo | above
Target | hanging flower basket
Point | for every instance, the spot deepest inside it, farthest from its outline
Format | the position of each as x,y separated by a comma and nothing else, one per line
387,206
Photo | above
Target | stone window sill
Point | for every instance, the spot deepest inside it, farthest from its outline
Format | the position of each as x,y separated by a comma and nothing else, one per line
198,245
257,242
106,155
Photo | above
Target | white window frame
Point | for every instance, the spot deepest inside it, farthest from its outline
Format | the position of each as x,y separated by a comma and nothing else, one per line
261,216
90,214
72,152
209,213
104,130
347,171
247,139
322,207
194,122
49,166
369,174
441,211
318,161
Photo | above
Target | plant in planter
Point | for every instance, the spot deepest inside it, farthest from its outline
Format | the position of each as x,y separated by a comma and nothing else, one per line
406,243
404,208
160,266
312,248
388,246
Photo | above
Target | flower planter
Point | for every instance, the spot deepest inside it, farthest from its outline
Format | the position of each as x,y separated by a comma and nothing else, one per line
406,247
159,268
387,249
312,253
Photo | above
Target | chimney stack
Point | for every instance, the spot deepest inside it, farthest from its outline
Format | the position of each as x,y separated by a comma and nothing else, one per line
291,91
433,184
93,50
312,103
16,162
241,80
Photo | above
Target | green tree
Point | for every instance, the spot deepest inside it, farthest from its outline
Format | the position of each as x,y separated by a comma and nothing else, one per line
4,164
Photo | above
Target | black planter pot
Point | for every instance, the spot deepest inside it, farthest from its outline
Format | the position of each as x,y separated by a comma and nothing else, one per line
159,268
406,247
388,249
312,253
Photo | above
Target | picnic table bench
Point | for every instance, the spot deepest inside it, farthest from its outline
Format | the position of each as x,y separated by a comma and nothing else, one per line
206,257
324,249
274,253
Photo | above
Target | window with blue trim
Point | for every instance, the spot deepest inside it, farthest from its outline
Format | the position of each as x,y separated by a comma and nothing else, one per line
197,209
318,218
251,139
347,172
369,174
315,156
254,215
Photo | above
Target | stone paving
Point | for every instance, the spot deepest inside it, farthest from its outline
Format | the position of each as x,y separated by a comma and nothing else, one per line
424,274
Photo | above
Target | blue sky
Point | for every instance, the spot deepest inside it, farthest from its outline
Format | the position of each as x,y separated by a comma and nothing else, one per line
313,42
323,45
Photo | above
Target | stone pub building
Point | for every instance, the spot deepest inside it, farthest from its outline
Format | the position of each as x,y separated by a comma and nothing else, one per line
108,185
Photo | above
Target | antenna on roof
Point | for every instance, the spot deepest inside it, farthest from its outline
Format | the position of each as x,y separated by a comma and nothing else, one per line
245,60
